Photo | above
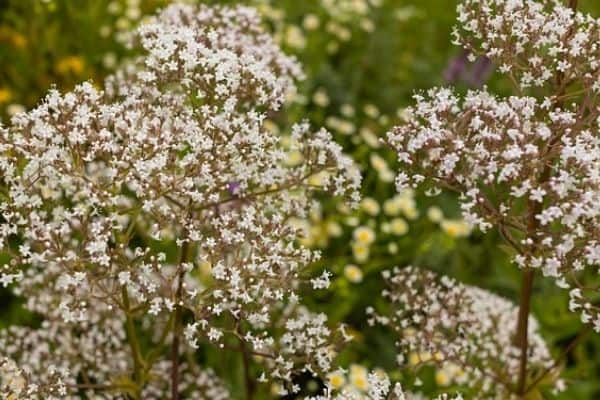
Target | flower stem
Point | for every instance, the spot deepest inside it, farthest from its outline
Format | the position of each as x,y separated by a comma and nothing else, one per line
523,327
138,360
177,324
249,383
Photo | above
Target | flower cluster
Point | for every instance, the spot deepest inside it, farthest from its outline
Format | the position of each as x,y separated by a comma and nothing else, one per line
440,321
532,40
16,383
368,385
97,183
529,166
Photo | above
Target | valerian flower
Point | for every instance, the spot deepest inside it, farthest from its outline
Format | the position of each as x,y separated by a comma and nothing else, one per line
98,183
447,323
529,166
532,40
368,385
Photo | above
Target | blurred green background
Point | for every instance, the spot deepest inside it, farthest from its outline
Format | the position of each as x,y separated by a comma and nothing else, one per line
363,61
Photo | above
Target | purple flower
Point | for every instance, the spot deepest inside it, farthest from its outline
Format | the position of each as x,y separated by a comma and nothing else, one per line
457,67
458,70
480,72
233,188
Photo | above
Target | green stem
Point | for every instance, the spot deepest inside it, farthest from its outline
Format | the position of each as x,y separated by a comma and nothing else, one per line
134,345
177,322
155,352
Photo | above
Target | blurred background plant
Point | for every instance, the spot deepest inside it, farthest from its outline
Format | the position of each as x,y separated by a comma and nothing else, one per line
363,60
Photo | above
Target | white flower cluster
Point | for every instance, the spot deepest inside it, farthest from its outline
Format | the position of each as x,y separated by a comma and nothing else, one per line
219,53
526,165
443,321
15,383
197,383
97,184
532,40
95,349
379,387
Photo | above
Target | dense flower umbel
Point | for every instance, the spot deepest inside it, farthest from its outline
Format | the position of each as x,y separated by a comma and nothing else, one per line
172,152
532,40
529,166
442,321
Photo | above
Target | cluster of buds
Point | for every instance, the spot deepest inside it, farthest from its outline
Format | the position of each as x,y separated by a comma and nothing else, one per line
528,165
444,322
97,186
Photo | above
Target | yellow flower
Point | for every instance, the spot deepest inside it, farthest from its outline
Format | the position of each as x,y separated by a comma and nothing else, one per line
435,214
333,228
456,372
392,248
378,163
321,98
273,128
407,204
367,25
371,110
70,65
347,110
352,221
14,109
391,207
340,125
123,24
310,22
364,235
425,356
386,175
456,228
398,226
442,378
404,114
109,60
5,95
294,37
370,205
319,179
294,158
358,377
336,379
361,252
341,32
413,359
353,273
343,208
270,12
411,212
318,234
370,138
